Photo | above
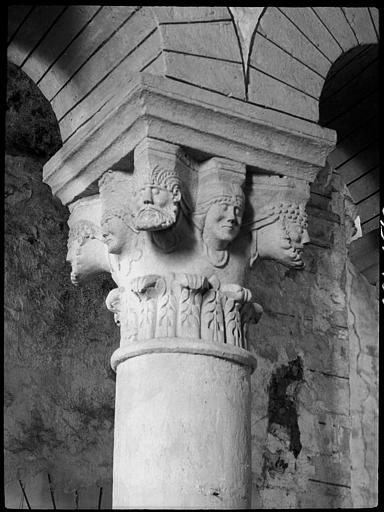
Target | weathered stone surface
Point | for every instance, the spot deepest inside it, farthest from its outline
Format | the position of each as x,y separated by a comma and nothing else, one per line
190,14
364,364
137,27
102,26
173,451
67,28
271,59
217,40
276,27
51,349
361,23
31,127
324,496
334,18
215,75
315,31
266,91
57,417
43,17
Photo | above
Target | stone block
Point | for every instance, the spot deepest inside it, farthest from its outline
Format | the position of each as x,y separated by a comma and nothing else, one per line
35,25
269,92
110,87
276,27
361,23
278,498
271,59
190,14
55,42
324,495
334,19
108,56
323,393
325,351
224,77
94,34
315,31
216,40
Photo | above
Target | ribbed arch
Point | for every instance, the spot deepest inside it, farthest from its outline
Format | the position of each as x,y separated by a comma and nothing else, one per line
294,49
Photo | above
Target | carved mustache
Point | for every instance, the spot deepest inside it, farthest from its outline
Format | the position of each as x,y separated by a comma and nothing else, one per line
150,216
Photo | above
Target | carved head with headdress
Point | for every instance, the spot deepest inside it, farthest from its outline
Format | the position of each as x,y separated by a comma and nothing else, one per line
218,214
279,225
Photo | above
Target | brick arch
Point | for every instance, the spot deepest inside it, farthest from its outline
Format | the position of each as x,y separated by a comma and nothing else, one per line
294,49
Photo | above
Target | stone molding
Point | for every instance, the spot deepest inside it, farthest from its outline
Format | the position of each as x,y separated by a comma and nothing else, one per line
154,106
184,306
184,346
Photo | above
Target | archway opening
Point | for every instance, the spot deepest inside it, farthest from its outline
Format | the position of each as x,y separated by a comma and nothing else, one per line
349,105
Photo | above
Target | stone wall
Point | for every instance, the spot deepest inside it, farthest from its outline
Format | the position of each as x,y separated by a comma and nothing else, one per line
364,370
314,408
59,387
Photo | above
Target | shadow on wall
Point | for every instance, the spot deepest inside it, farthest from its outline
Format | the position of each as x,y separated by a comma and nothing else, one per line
59,387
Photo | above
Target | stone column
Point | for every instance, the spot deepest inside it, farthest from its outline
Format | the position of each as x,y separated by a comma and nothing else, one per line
182,420
178,224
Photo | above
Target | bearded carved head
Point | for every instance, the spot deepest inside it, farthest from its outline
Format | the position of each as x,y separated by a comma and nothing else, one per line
156,200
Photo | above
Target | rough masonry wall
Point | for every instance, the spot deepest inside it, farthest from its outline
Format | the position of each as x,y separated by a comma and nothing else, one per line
363,322
59,388
300,414
314,398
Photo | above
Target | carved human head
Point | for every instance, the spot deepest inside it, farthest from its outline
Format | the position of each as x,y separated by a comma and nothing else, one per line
116,230
219,217
282,233
157,199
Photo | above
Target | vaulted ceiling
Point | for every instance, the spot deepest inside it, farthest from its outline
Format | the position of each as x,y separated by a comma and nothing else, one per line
349,105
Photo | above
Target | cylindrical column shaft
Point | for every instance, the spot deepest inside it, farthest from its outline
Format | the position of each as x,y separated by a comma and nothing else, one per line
182,432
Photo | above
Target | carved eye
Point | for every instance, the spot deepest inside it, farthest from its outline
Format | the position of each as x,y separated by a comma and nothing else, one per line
155,191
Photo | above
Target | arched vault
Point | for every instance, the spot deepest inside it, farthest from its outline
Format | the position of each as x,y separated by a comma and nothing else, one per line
82,56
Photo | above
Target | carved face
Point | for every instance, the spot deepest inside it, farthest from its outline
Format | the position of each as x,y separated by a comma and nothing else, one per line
283,243
157,207
115,234
222,224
